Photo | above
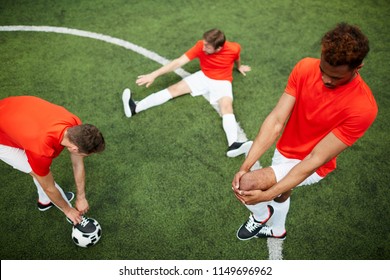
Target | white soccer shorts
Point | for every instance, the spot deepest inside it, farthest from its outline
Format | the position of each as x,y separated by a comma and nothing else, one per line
213,90
15,157
282,165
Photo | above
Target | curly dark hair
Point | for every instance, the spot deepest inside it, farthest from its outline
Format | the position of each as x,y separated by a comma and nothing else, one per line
345,45
87,138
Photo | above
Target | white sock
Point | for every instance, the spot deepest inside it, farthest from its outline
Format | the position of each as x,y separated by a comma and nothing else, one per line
152,100
260,211
42,196
229,124
278,219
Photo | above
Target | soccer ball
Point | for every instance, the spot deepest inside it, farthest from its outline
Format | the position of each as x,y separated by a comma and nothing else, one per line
87,233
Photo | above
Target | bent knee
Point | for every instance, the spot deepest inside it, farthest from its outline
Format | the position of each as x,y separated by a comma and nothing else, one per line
226,105
261,179
248,182
179,89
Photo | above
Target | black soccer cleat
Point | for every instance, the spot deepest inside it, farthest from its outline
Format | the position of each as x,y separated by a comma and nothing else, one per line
252,227
86,225
267,231
43,207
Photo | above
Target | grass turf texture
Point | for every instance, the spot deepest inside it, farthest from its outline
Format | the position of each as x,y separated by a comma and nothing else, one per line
161,190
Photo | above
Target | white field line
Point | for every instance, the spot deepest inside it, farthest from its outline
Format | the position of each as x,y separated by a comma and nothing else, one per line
275,248
81,33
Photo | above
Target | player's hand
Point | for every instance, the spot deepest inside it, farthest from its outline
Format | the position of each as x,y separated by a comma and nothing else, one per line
249,197
237,178
82,205
147,80
73,215
243,69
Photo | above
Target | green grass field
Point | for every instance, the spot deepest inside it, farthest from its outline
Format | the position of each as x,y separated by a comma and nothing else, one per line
162,188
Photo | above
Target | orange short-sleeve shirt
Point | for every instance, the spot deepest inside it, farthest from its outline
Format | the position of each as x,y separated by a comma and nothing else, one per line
347,111
219,65
36,126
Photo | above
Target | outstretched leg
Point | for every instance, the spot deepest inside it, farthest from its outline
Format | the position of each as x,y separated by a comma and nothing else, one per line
155,99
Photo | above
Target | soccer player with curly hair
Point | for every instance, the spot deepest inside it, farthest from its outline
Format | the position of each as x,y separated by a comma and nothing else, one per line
325,108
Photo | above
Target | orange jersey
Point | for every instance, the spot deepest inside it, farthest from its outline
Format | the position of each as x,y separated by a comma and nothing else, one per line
219,65
36,126
347,111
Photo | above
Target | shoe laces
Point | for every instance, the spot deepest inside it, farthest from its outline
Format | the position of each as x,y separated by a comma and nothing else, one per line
251,225
266,231
84,222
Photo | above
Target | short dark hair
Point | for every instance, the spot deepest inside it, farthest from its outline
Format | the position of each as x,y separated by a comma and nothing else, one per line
345,45
87,138
215,37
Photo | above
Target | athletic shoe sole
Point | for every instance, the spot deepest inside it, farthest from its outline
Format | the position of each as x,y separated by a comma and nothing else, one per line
244,148
126,95
280,237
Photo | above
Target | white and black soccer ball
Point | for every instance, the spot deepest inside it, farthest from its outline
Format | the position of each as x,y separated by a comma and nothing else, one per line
87,233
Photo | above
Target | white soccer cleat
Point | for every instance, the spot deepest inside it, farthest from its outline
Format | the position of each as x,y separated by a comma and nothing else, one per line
238,148
126,97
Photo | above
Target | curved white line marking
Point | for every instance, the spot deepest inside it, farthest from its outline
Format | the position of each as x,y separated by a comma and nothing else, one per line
112,40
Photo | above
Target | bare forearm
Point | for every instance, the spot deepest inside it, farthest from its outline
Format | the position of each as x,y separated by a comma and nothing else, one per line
79,176
148,79
266,137
269,130
173,65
